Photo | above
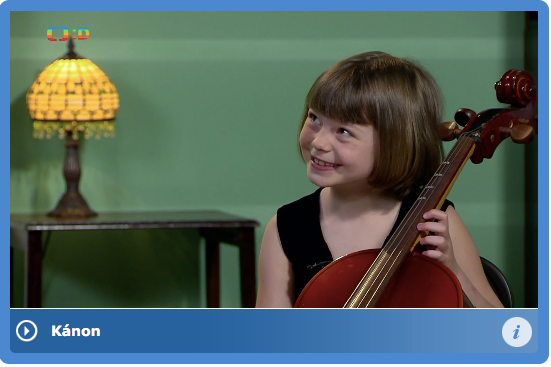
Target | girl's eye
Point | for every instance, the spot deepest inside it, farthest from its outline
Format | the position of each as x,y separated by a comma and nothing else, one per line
344,132
313,118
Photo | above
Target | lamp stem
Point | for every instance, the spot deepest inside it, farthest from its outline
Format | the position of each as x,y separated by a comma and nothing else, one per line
71,168
72,204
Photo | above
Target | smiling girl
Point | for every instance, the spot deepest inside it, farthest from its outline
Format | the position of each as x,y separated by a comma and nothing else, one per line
370,138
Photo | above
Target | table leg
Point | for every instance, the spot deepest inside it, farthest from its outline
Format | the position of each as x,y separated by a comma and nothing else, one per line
247,268
242,237
33,271
213,272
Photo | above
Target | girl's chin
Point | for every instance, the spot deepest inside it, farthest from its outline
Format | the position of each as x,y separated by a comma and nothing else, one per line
317,180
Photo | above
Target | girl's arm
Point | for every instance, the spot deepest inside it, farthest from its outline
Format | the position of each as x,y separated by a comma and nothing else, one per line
451,244
469,271
275,286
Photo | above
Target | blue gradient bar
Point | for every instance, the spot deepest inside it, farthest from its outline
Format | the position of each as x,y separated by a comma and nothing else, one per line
373,331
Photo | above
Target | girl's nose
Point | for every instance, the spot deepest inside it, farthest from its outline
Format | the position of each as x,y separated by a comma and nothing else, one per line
321,141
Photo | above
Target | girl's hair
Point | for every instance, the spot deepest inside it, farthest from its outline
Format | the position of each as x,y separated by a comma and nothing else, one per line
401,101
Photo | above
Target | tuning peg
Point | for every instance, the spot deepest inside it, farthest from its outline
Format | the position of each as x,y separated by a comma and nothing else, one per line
463,115
449,130
532,122
520,134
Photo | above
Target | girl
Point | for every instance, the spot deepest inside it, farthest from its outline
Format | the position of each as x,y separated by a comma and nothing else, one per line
370,137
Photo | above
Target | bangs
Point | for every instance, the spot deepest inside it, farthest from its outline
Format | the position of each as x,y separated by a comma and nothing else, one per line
340,95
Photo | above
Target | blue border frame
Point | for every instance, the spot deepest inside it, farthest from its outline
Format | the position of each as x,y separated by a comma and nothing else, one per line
475,316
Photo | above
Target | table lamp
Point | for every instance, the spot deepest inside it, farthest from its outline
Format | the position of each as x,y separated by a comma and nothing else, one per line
72,97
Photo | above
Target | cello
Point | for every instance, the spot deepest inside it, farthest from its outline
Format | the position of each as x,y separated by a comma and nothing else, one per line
390,277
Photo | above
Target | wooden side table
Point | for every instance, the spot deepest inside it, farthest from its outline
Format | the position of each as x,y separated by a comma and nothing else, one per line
214,226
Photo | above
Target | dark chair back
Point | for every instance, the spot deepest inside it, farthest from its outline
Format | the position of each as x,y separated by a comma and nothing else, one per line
498,282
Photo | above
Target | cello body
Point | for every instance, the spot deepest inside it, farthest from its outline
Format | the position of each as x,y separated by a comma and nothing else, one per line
421,282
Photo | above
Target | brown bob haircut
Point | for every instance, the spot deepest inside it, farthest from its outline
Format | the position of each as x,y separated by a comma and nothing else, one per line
402,102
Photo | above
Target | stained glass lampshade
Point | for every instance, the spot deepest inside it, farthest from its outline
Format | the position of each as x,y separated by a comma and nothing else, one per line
69,98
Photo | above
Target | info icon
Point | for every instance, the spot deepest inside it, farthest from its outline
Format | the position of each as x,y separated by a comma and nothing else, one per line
517,332
26,330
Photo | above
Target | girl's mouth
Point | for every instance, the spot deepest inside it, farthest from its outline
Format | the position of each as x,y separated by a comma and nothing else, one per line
323,165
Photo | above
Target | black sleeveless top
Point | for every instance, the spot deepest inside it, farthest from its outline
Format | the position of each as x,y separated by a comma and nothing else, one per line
298,225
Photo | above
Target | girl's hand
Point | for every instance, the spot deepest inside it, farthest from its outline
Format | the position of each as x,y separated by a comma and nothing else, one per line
439,243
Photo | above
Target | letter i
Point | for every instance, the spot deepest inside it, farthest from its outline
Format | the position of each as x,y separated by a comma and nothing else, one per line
515,336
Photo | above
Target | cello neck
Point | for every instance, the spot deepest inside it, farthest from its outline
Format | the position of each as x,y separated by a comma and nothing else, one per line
406,236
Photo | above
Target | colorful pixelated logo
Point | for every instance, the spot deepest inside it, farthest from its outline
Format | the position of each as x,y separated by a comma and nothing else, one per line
80,33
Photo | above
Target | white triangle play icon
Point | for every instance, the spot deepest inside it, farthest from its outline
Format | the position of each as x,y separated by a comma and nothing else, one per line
23,331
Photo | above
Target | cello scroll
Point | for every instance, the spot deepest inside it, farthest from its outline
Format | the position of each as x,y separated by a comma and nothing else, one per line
491,127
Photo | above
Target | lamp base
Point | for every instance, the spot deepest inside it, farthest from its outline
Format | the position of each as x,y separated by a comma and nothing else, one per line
72,205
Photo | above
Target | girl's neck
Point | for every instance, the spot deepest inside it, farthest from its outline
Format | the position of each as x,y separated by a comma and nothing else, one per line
354,202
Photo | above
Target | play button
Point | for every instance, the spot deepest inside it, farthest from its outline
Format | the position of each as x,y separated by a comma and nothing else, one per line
26,325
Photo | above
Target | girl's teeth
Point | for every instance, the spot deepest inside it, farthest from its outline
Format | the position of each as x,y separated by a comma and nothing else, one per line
321,163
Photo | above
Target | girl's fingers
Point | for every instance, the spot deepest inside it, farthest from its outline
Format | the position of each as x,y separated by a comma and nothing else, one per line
439,215
435,227
438,241
436,255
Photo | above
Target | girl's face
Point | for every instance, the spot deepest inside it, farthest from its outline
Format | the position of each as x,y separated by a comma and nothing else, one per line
337,153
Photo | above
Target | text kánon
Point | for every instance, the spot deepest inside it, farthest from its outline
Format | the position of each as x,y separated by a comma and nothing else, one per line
59,330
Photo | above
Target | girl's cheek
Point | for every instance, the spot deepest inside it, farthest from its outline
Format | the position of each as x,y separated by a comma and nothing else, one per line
305,156
305,153
304,140
304,150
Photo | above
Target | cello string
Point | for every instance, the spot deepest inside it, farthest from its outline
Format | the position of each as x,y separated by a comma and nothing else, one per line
397,239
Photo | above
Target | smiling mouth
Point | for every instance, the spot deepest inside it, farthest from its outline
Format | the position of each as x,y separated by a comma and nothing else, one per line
323,163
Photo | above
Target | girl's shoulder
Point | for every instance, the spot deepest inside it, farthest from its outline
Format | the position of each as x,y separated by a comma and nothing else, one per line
299,213
446,204
308,202
298,225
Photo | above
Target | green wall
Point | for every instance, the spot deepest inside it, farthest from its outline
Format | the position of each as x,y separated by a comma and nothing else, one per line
210,106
